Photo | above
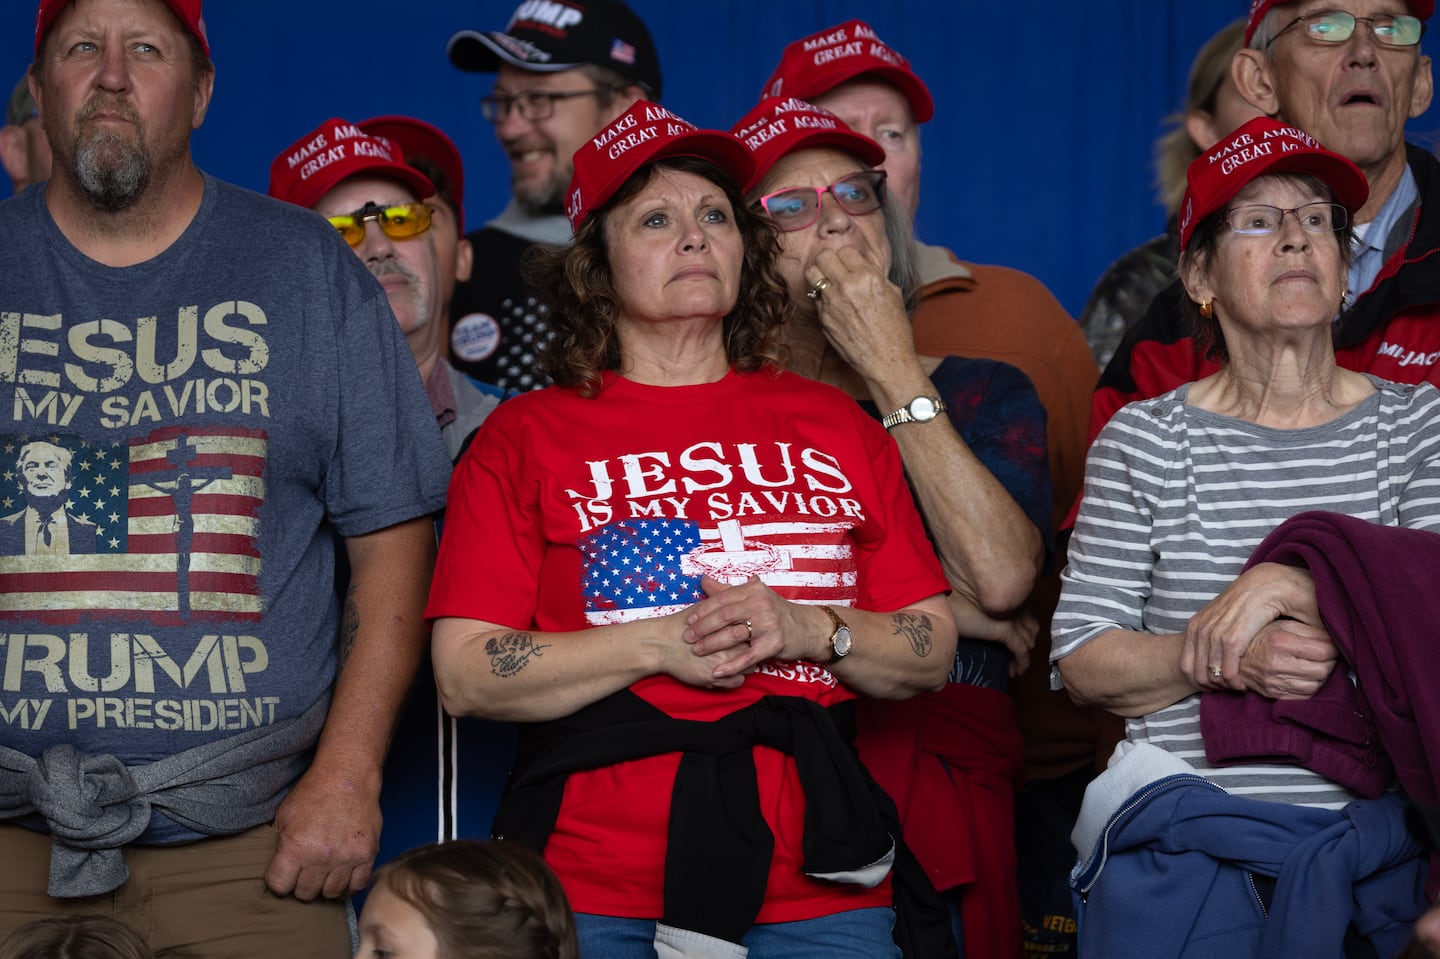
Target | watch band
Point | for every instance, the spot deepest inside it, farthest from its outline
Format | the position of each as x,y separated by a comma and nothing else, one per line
903,414
835,654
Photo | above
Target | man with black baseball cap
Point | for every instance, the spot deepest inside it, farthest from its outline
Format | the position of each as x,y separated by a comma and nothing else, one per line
564,69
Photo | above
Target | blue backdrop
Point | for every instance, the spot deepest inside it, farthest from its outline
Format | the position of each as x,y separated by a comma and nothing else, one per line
1039,156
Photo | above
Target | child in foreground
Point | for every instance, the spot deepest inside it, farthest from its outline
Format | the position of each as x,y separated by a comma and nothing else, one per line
78,937
467,900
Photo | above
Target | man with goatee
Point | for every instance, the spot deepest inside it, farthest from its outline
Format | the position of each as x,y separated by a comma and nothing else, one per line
194,732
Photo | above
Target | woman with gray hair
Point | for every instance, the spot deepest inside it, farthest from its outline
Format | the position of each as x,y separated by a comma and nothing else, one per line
971,435
1173,614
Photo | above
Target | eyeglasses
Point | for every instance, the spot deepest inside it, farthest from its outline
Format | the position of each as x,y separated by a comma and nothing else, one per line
398,222
1337,26
795,208
1261,220
532,104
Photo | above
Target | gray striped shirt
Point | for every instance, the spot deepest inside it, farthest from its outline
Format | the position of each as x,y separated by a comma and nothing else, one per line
1176,500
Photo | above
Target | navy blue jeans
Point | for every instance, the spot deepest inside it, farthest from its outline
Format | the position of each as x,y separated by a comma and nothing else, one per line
857,934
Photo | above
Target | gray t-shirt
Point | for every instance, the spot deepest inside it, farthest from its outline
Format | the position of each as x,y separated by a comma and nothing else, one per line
211,420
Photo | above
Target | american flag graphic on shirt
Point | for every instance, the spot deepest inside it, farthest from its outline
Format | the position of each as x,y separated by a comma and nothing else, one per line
177,514
639,568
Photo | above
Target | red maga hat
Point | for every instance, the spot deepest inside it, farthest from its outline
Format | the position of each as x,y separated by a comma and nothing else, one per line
337,150
187,10
419,140
1256,148
822,61
1258,8
778,126
645,132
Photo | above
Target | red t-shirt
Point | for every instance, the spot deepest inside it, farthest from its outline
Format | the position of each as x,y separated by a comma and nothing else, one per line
570,512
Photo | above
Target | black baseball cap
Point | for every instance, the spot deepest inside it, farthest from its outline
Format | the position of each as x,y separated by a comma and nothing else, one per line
548,36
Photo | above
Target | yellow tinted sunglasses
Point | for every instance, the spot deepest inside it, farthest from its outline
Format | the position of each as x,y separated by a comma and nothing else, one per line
398,222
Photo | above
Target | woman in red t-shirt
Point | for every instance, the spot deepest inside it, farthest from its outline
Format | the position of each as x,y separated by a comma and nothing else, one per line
676,568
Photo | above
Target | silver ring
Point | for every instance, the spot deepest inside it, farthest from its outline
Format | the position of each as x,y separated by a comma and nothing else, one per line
1216,672
749,631
818,287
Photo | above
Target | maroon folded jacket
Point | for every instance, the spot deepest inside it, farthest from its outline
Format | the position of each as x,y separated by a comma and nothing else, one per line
1378,589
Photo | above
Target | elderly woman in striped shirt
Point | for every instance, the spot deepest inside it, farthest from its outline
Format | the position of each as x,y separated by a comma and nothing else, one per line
1158,604
1180,489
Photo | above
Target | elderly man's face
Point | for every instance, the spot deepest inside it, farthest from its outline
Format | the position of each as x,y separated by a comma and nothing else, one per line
882,113
42,470
119,96
1355,96
408,268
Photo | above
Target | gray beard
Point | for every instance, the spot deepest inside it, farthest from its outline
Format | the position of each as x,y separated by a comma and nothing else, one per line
112,174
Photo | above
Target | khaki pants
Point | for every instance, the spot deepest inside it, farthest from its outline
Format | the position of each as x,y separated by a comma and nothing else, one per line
199,900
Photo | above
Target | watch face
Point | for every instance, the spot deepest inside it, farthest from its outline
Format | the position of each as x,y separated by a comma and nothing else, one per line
842,641
923,409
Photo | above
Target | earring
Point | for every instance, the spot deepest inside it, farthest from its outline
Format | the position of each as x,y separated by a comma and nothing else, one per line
1344,298
1207,309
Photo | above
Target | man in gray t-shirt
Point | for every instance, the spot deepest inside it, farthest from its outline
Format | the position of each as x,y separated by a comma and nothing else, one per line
186,717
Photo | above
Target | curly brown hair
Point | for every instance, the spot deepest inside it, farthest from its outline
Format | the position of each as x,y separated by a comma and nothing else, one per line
485,900
576,284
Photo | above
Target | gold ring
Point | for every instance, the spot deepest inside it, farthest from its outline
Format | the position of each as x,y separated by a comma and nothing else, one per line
818,287
749,631
1216,672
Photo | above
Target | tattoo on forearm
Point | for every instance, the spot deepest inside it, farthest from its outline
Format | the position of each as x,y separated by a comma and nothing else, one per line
916,629
349,625
511,653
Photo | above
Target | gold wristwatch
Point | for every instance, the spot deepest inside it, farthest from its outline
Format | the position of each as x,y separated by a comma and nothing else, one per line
922,409
840,639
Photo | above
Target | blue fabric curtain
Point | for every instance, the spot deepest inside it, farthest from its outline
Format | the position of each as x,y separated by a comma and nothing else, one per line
1039,156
